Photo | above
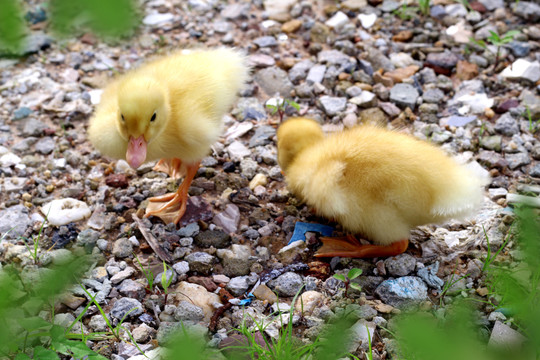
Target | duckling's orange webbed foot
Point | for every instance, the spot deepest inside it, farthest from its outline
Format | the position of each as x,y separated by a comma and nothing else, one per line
173,167
349,246
171,207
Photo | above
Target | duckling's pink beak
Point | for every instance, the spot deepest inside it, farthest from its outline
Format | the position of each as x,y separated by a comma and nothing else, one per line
136,151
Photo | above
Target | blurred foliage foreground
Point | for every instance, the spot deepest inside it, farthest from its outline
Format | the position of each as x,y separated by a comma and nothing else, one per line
105,18
28,330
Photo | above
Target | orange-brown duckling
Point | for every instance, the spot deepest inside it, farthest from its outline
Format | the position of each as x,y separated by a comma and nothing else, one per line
375,182
169,109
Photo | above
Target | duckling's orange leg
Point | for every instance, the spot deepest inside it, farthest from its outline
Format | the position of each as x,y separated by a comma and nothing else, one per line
173,167
171,207
349,246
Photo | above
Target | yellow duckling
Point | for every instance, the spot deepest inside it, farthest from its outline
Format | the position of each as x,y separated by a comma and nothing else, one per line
170,109
375,182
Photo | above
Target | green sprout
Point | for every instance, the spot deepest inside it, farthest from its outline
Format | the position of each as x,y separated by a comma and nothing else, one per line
497,41
352,274
424,6
280,106
148,274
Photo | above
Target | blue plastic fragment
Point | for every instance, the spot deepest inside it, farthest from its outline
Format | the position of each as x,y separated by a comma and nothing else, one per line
300,229
247,301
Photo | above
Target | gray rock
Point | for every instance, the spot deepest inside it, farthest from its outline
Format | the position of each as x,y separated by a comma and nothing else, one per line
201,262
87,237
170,277
248,168
517,160
434,96
14,221
236,262
235,11
265,41
535,170
240,284
492,4
238,151
287,284
333,57
429,275
403,291
98,323
299,70
142,333
528,10
249,109
132,289
123,307
378,60
122,275
35,42
273,80
33,127
507,125
45,145
228,219
181,267
446,60
187,311
503,335
390,5
404,95
316,74
491,142
122,248
262,136
215,238
519,48
400,265
478,60
190,230
333,105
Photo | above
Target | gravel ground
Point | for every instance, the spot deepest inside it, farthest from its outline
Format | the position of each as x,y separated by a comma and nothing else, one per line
344,63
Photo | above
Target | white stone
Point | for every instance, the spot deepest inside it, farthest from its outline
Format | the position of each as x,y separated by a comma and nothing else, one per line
238,129
9,159
95,96
198,296
337,21
278,9
459,32
63,211
401,59
478,103
238,151
308,301
522,68
367,20
13,184
158,19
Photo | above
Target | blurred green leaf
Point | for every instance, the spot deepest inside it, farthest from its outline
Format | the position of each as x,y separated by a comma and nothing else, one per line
105,18
45,354
340,277
12,27
354,273
356,286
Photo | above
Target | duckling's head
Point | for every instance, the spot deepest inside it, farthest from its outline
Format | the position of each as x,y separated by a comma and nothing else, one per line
143,113
295,135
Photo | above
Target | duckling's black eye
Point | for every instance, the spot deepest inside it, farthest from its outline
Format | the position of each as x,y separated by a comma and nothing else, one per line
153,117
122,117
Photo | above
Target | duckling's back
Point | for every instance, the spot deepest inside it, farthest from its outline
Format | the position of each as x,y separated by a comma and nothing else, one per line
383,183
